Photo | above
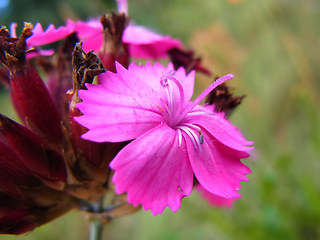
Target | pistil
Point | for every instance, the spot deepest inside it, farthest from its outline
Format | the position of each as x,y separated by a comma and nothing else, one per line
173,107
193,104
176,111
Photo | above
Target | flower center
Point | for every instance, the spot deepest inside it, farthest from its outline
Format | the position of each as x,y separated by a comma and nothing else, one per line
176,109
175,103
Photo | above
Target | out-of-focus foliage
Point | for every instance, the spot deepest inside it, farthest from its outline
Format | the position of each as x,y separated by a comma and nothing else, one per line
273,49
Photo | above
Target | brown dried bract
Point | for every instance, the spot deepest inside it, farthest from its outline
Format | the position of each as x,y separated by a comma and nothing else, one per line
223,99
13,50
187,60
85,67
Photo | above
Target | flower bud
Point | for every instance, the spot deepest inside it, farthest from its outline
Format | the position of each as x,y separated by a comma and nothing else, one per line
33,151
35,104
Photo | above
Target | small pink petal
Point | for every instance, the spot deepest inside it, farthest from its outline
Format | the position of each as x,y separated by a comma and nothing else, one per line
154,170
90,33
122,6
86,30
144,43
50,35
214,199
93,43
40,52
222,130
13,30
217,167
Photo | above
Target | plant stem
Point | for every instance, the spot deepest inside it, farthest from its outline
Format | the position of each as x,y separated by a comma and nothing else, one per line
96,228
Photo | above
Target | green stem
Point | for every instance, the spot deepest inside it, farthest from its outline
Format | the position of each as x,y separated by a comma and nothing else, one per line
96,228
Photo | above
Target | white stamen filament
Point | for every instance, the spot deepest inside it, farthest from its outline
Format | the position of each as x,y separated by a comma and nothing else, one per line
197,113
180,136
190,125
170,95
193,136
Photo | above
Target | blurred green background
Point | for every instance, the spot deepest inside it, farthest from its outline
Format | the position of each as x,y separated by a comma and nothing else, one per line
273,49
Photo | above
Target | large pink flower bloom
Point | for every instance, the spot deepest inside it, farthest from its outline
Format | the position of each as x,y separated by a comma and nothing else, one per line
174,138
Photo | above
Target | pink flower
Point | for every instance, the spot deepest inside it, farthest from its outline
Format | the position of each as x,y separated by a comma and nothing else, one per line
142,42
174,138
40,37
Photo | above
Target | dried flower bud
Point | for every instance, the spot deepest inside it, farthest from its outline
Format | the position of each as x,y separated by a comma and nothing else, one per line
186,59
30,95
223,100
113,48
33,151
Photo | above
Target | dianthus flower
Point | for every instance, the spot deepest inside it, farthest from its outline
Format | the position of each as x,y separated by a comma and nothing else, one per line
174,138
40,37
141,41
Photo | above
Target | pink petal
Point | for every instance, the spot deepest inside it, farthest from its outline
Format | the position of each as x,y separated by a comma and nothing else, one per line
115,124
214,199
51,35
40,52
222,130
122,6
87,29
150,75
93,43
90,33
154,170
136,79
13,30
217,167
144,43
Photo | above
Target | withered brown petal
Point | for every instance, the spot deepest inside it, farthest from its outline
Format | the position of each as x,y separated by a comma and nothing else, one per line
223,100
186,59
